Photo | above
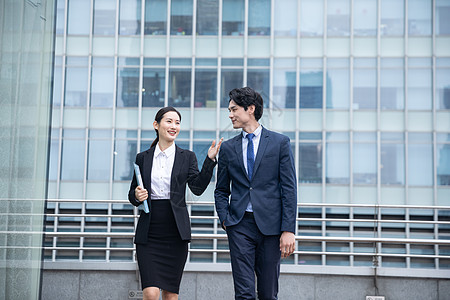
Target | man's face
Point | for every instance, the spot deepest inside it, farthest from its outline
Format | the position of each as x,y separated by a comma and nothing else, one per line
238,115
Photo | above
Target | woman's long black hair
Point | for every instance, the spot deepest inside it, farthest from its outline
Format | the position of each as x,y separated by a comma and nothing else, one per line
159,115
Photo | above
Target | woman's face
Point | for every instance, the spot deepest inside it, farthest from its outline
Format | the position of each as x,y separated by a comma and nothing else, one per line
169,127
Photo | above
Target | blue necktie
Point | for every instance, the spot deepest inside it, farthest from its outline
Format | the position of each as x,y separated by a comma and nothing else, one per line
250,155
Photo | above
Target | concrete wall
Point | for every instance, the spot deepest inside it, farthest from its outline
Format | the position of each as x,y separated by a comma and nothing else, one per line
92,285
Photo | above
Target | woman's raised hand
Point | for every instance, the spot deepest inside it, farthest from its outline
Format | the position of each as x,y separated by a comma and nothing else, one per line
214,149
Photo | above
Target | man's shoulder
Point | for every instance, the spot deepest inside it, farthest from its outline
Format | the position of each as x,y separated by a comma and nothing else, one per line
275,135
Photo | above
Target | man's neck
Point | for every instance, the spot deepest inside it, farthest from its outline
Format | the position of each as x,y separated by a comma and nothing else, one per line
251,127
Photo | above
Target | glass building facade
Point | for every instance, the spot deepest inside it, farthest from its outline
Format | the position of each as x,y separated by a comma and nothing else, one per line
361,87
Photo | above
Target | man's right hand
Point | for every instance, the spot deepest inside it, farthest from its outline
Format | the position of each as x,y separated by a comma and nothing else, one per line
141,194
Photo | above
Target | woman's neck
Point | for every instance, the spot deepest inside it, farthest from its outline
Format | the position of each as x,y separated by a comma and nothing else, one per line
163,145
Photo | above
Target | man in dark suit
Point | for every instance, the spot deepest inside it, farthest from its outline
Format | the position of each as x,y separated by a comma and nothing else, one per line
256,168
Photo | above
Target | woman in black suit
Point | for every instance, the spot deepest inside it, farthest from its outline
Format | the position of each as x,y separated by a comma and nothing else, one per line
163,234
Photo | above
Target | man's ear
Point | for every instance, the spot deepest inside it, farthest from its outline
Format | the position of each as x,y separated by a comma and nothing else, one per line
251,109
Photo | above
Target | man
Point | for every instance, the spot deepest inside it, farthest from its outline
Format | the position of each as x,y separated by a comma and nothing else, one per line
257,169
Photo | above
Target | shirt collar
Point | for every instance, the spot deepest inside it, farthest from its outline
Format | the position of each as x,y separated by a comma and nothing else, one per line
256,132
168,152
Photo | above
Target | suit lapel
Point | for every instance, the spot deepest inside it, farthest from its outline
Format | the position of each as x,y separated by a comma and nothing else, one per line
176,169
238,149
148,164
263,142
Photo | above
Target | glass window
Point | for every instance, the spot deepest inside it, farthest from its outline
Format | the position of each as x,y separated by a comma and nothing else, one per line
181,17
233,17
311,83
76,81
392,17
285,18
207,17
365,17
259,80
130,17
337,163
392,159
231,79
99,159
155,17
443,162
205,88
443,83
420,160
72,157
127,87
419,17
57,81
311,18
284,87
338,83
392,79
420,80
102,82
201,151
259,17
53,159
338,18
365,163
79,19
104,17
60,16
153,87
125,151
442,17
364,83
180,87
310,158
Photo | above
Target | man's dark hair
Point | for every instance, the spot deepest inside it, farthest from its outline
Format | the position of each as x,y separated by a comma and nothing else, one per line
247,96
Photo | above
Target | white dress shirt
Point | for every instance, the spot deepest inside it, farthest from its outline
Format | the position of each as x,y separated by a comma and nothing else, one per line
162,172
255,140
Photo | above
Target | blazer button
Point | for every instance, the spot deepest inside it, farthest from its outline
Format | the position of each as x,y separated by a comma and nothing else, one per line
251,189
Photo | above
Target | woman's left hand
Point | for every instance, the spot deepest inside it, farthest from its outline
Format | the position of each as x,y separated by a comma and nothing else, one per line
214,149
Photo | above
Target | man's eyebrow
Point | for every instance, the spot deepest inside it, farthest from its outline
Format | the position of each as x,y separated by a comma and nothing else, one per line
231,107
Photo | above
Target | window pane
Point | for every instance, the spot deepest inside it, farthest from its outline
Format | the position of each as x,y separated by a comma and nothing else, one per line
53,161
258,17
284,83
201,151
338,83
180,87
365,17
130,17
76,86
420,89
207,17
205,88
104,17
338,18
231,79
181,17
443,164
60,16
442,17
233,17
79,18
419,17
102,86
155,17
127,87
311,83
338,163
365,84
285,18
392,84
443,83
259,80
310,162
99,159
311,17
392,17
124,157
364,163
153,87
72,161
420,164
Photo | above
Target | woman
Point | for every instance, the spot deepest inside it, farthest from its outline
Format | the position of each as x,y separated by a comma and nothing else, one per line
162,235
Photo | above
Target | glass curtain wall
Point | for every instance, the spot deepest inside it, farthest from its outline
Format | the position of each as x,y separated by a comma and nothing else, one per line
361,87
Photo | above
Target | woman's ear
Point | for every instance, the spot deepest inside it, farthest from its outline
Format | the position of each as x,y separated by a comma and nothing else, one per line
155,125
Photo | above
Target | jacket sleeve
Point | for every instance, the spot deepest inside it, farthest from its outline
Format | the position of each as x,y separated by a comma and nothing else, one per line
199,181
288,183
133,184
222,191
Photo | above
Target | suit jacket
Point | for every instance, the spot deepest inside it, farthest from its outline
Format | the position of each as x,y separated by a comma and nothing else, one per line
272,190
184,171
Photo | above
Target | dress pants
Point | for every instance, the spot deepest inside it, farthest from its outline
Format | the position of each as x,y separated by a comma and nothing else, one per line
252,252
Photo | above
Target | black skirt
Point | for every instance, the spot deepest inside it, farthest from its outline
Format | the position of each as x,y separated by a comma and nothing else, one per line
161,261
